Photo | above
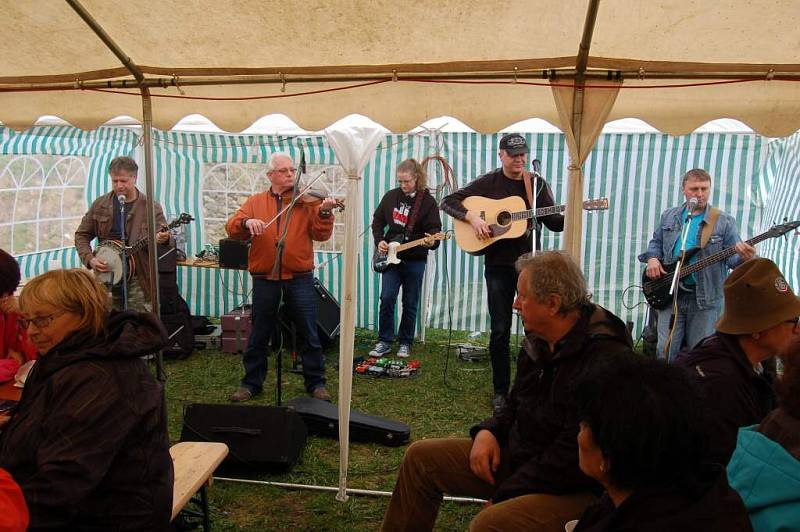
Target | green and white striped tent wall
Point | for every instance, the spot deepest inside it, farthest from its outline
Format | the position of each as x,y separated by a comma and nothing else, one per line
638,172
782,179
99,146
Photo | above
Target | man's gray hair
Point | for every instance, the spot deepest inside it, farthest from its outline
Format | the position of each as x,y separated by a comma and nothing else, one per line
554,272
274,156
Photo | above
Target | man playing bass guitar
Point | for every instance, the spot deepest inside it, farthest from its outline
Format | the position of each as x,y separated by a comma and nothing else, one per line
700,294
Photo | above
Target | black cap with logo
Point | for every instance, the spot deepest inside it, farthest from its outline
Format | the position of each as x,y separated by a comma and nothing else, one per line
514,144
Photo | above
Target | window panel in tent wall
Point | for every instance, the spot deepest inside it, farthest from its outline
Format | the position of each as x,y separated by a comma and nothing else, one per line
226,186
41,201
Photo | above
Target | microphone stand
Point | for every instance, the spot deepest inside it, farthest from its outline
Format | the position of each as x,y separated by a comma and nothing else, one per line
676,276
534,190
276,269
124,253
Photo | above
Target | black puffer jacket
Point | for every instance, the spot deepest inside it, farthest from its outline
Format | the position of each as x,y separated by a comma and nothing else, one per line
88,443
539,424
703,503
736,395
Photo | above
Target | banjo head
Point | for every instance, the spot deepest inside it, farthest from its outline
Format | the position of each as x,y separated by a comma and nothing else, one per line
111,253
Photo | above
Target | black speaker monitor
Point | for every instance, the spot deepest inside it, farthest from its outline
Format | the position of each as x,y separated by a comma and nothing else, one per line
233,253
259,438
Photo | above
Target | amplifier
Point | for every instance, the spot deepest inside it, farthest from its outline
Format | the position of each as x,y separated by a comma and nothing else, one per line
233,253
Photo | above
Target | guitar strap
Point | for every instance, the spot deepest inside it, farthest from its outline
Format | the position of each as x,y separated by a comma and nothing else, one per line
414,212
708,228
526,177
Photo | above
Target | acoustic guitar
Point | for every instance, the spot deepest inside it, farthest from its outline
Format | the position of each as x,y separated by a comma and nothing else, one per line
656,291
507,217
382,261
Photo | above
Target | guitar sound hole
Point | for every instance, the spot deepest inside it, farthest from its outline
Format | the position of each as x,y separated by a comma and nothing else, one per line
503,218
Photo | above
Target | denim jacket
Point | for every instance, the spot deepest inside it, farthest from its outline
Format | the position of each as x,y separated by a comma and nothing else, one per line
710,279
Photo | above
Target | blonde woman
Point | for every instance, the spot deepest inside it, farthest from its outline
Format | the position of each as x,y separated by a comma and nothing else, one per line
88,442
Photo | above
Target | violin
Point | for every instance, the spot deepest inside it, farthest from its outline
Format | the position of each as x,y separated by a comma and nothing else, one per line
316,196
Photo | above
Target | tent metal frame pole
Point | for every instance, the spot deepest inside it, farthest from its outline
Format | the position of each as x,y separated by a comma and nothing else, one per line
508,77
573,239
126,61
350,491
147,140
147,123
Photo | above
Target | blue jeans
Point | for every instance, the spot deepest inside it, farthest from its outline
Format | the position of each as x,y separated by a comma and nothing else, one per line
692,325
407,274
501,288
301,304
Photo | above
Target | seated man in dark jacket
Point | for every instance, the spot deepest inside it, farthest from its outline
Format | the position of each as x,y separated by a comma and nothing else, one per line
525,458
760,318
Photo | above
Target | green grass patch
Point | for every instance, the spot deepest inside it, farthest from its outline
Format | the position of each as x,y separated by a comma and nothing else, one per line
445,398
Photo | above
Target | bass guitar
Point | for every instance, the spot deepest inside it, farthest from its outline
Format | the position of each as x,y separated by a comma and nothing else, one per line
656,291
382,261
507,217
110,252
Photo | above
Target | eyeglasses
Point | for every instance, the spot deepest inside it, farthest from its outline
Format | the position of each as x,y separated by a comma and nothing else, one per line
794,321
40,321
284,170
406,181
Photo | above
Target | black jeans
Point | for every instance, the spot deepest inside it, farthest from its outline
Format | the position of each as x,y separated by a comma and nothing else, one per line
301,301
501,288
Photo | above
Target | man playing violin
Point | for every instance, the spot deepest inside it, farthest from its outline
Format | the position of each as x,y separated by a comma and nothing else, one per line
284,273
102,221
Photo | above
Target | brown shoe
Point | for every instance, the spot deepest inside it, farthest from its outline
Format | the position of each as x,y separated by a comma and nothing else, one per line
240,396
321,393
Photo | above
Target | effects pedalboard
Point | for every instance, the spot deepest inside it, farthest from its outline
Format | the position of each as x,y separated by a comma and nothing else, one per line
387,367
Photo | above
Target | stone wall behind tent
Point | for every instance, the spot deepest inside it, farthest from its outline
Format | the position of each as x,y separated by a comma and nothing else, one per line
639,173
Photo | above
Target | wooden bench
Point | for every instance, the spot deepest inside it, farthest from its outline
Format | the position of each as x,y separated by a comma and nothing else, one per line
194,463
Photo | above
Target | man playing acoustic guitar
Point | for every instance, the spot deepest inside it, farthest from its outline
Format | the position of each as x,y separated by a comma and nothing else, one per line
500,274
405,213
700,294
102,221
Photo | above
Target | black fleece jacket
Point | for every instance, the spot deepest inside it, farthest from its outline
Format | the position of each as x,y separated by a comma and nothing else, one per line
539,424
736,395
705,502
88,442
393,214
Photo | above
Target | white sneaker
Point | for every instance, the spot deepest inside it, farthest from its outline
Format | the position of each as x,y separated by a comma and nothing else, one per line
381,349
404,351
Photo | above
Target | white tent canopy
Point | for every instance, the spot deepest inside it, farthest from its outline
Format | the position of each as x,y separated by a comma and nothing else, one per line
317,46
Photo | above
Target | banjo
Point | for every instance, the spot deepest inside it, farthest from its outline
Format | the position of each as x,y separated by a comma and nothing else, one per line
110,252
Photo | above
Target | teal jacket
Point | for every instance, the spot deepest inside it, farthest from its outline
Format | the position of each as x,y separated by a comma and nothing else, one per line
768,481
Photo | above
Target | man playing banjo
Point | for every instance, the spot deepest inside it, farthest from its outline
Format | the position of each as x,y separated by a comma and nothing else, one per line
103,221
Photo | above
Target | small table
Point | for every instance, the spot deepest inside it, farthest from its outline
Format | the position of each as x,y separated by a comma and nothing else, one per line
9,391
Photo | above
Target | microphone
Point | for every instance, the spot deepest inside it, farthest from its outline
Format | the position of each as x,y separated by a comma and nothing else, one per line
121,198
301,169
537,167
691,205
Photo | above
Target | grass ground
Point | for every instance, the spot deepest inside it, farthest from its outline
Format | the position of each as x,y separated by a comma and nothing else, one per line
444,399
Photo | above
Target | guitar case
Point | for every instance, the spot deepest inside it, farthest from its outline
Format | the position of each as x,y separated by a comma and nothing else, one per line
175,314
322,418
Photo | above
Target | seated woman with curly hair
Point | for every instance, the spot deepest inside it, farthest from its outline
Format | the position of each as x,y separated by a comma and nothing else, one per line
88,442
15,348
643,438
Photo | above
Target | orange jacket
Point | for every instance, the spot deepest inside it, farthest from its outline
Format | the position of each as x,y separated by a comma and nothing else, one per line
305,225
